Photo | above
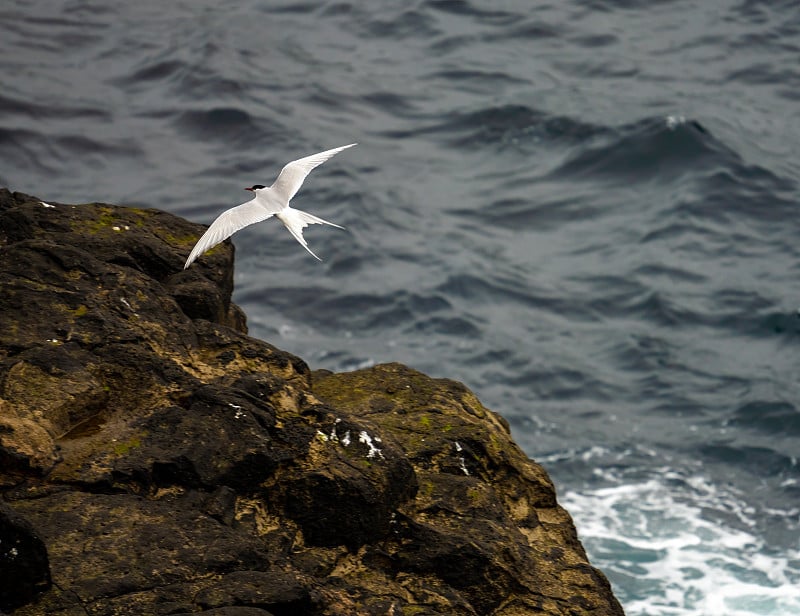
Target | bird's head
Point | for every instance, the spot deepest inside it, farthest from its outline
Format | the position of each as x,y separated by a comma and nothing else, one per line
255,187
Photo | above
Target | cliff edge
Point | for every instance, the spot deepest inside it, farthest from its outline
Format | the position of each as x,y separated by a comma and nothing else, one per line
154,459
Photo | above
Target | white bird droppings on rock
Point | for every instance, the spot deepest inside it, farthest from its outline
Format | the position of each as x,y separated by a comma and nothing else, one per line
462,463
365,438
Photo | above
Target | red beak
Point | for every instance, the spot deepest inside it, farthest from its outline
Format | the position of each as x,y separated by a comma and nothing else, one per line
250,189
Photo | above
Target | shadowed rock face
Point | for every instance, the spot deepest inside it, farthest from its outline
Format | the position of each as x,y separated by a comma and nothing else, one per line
156,460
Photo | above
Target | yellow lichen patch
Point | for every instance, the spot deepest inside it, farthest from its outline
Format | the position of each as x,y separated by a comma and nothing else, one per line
318,454
554,515
255,510
26,438
103,220
169,491
184,240
93,453
520,509
208,368
140,213
33,284
475,495
348,565
577,578
414,610
426,489
55,401
124,447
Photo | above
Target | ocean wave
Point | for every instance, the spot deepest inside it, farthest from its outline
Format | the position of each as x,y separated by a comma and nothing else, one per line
38,110
666,557
57,154
500,125
480,290
330,308
759,461
654,149
519,213
770,416
227,124
408,23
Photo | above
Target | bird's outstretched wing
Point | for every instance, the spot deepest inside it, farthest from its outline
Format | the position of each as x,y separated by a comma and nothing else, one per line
228,223
292,175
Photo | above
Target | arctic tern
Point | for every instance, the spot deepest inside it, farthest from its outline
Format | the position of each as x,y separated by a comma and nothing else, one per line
268,202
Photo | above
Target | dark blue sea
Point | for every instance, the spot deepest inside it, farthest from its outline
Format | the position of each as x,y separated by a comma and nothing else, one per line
588,211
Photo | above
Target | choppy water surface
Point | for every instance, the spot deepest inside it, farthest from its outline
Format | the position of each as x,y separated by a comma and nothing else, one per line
586,211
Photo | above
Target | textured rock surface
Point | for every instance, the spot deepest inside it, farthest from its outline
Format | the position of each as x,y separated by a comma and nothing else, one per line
156,460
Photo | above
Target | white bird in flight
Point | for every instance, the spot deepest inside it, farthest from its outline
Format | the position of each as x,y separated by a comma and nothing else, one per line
268,202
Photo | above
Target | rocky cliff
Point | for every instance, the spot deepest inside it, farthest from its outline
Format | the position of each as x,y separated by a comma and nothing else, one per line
154,459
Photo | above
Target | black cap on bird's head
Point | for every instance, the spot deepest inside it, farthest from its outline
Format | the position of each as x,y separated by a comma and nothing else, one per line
255,187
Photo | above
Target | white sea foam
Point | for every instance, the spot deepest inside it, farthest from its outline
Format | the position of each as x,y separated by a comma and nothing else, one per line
674,554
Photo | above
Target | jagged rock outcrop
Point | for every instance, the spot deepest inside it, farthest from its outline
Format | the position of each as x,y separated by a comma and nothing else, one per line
154,459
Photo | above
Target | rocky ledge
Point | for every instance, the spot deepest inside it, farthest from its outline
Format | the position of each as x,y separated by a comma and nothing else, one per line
154,459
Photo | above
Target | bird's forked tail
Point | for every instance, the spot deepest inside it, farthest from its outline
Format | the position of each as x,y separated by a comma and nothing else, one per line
297,220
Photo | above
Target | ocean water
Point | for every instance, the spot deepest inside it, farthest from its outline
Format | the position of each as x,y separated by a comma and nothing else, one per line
587,211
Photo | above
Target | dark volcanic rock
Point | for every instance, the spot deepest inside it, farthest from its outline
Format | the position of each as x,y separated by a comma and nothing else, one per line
23,561
156,460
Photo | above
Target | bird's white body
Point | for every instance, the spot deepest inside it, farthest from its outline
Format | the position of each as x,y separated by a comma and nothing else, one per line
269,201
